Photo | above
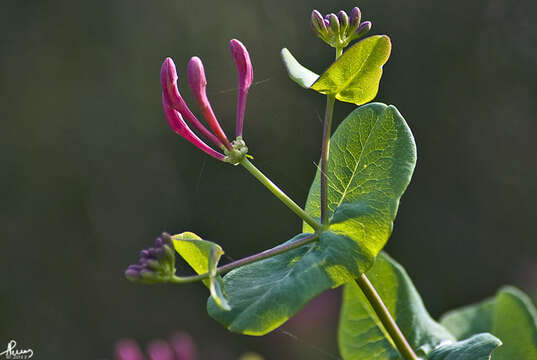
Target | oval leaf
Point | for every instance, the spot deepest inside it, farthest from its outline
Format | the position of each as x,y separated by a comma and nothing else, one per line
264,294
478,347
510,316
355,76
372,158
362,335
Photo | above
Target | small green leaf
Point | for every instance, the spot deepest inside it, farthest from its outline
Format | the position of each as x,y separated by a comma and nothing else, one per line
203,257
362,335
477,347
510,316
264,294
355,76
298,73
372,157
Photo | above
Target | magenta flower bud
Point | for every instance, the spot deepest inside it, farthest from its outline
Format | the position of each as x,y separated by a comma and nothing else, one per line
343,21
128,350
354,20
176,122
318,24
198,84
168,81
246,75
363,29
183,346
160,350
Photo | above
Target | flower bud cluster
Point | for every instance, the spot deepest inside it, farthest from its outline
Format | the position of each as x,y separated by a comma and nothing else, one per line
339,30
157,264
180,117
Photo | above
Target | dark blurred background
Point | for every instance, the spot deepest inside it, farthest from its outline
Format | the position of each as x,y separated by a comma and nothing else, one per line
91,173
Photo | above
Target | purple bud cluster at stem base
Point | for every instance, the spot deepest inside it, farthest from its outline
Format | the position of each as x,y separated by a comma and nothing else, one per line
156,264
339,30
180,118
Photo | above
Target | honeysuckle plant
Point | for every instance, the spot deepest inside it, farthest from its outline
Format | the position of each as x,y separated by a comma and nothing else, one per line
365,167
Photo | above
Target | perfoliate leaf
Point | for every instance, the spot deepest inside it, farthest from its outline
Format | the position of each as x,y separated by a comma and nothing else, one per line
355,76
298,73
264,294
372,157
510,316
362,335
477,347
203,257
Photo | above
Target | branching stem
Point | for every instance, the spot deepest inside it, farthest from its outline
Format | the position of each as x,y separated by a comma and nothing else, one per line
280,249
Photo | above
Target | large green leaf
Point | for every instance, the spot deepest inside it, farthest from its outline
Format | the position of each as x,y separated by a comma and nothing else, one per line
362,335
477,347
510,316
372,157
203,257
354,77
264,294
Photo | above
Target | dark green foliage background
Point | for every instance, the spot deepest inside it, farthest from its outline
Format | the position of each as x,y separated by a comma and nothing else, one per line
90,173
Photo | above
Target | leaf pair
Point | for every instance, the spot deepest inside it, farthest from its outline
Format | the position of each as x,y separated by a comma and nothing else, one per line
354,77
372,156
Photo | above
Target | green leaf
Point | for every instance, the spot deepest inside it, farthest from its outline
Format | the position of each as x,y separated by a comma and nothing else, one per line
264,294
362,335
510,316
298,73
355,76
477,347
372,157
203,257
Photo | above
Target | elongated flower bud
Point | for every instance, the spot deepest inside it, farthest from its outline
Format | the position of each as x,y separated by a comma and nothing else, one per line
160,350
198,84
318,24
246,75
176,122
168,81
343,21
184,346
334,23
128,350
354,20
363,29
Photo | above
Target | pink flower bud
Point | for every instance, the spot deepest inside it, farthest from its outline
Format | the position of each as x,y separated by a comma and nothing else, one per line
128,350
176,122
160,350
198,84
246,75
168,81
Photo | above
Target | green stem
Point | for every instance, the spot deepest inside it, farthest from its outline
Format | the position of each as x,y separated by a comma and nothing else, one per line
384,315
325,150
280,249
368,289
279,193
